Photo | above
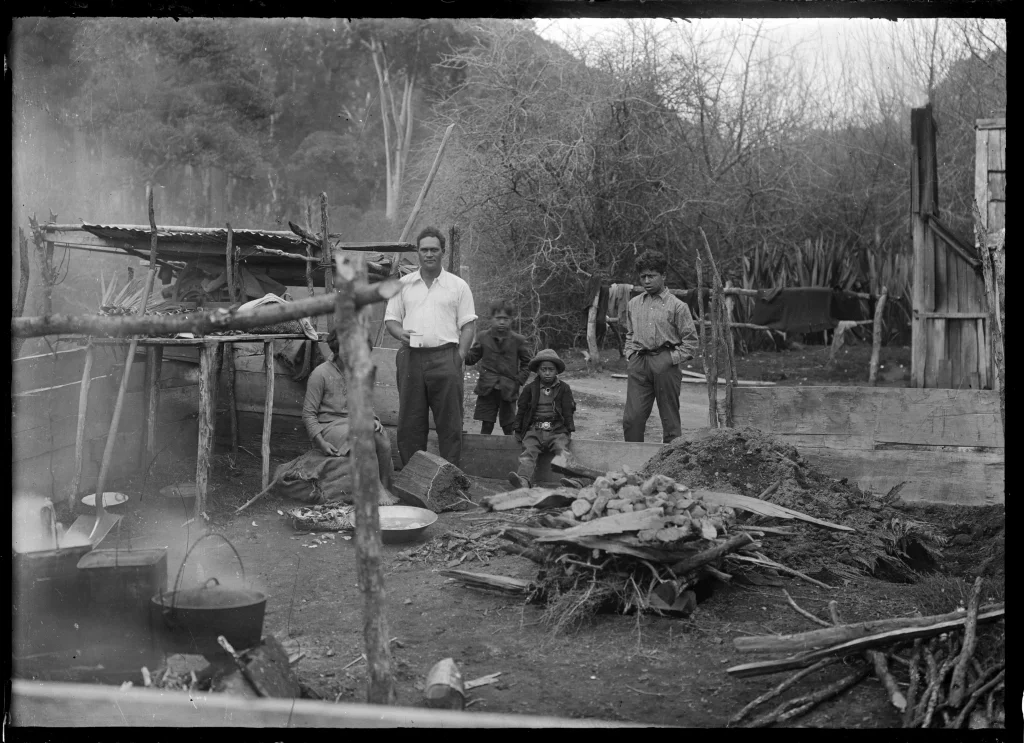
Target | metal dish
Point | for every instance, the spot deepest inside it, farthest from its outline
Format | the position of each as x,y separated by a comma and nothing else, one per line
400,524
110,500
179,491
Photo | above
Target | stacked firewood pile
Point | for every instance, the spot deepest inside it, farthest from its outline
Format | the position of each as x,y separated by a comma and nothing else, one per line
628,543
956,673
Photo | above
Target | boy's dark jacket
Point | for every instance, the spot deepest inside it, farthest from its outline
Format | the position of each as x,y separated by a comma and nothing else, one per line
565,406
504,366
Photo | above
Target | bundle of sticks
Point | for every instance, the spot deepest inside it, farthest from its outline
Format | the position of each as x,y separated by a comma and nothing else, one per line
947,685
627,542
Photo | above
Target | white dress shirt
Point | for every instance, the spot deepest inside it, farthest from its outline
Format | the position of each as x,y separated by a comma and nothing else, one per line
438,312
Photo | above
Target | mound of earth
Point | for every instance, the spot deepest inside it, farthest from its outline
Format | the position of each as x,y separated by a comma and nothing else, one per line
889,543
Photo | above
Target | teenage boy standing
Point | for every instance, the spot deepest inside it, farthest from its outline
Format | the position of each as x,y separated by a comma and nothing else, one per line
438,307
660,335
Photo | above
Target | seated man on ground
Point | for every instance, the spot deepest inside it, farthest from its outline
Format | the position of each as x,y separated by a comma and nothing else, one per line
329,464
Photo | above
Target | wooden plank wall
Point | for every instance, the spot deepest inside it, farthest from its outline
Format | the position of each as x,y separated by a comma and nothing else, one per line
946,444
44,413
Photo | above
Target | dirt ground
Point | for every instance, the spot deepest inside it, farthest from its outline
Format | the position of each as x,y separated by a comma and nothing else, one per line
644,669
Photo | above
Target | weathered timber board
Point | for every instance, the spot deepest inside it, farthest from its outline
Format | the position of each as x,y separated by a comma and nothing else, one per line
495,456
60,368
46,704
175,404
962,478
51,473
934,417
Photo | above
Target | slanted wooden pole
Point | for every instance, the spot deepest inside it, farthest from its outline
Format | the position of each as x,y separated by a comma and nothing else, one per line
83,411
454,252
359,372
876,337
326,252
268,411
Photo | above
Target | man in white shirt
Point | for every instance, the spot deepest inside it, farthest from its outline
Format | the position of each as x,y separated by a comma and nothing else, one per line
434,317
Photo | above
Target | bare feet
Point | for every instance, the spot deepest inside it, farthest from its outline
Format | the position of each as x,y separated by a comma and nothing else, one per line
386,498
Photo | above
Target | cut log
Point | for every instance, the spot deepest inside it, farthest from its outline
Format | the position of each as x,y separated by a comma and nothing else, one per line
487,581
755,505
823,638
267,664
567,465
703,558
428,481
855,646
650,518
529,498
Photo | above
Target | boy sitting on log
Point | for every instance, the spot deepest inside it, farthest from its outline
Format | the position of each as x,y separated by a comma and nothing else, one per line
544,421
504,358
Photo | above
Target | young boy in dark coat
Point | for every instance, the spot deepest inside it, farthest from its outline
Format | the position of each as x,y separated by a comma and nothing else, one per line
544,422
504,358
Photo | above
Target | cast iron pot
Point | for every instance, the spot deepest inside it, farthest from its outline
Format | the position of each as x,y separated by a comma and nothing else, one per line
189,621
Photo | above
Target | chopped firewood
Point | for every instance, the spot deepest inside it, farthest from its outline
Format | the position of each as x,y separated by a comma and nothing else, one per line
491,678
567,464
615,524
529,498
487,581
957,684
780,688
428,481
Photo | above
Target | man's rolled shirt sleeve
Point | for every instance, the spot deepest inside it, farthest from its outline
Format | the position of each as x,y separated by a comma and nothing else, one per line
467,309
395,309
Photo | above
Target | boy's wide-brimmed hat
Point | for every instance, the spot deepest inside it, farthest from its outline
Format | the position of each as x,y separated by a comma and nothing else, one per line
547,354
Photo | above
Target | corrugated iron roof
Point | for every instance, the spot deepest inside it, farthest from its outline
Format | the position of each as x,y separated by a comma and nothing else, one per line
212,235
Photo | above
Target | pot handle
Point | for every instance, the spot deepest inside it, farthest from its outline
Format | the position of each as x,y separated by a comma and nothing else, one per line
207,583
181,570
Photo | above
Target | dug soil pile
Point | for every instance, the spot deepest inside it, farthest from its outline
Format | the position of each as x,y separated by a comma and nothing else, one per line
892,542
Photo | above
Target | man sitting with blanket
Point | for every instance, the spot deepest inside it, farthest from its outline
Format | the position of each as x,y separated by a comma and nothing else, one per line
328,465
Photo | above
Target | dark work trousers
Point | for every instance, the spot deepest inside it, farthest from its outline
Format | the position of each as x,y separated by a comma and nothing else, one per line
536,442
652,377
429,381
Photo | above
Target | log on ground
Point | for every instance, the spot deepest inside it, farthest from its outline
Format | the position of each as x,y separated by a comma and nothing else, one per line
428,481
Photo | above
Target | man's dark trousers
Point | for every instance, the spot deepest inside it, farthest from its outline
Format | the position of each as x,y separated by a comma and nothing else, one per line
429,381
652,376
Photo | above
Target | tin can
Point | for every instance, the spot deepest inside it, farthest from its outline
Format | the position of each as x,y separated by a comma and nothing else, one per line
444,689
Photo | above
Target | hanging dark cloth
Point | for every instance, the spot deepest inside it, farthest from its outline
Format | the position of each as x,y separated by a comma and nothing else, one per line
602,306
801,310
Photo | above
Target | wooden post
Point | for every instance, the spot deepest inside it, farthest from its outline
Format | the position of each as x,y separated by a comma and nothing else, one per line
927,335
454,254
359,372
229,370
707,354
268,411
876,337
154,366
326,252
595,352
83,411
229,259
207,413
719,326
